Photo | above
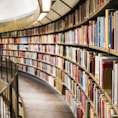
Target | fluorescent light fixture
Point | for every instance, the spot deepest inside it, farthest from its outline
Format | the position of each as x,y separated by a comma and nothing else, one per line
41,16
34,22
45,5
45,8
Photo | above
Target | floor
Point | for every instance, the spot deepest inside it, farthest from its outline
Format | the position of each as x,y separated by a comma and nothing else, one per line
41,101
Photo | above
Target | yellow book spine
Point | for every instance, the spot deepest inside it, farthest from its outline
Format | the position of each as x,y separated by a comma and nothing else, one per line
106,28
82,41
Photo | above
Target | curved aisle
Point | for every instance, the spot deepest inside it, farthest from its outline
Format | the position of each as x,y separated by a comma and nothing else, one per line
41,101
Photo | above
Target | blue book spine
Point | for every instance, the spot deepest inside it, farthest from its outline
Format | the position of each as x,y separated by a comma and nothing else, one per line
102,33
20,47
84,81
98,41
97,33
1,52
110,31
54,70
66,80
24,40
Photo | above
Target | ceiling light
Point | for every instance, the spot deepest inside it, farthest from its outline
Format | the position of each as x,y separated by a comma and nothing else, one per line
45,5
41,16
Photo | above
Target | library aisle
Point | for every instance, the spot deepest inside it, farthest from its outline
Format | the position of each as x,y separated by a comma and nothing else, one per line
40,101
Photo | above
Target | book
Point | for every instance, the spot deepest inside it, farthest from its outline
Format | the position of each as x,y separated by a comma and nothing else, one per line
107,30
79,113
114,116
111,30
87,109
106,75
24,40
115,83
102,32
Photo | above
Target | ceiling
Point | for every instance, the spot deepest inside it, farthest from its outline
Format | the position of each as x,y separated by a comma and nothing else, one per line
58,9
16,15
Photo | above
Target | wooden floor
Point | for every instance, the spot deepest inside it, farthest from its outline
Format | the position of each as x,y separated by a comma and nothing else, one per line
41,101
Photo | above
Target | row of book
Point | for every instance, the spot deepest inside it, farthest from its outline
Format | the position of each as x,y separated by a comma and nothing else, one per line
25,47
33,63
77,55
96,63
102,65
93,90
22,47
9,53
13,59
101,32
81,13
49,79
86,9
71,85
80,108
47,58
27,69
48,68
20,54
13,40
95,95
101,107
38,30
43,76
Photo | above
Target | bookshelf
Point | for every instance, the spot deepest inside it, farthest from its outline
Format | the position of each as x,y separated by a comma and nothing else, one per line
75,55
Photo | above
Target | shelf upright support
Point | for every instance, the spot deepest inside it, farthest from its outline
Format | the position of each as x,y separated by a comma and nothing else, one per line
1,65
6,69
48,18
11,101
58,14
66,4
40,22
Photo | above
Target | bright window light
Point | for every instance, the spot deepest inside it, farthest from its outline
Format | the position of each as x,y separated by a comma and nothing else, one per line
46,4
42,15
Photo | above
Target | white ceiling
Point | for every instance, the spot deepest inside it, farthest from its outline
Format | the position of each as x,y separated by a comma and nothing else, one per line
15,14
61,9
14,9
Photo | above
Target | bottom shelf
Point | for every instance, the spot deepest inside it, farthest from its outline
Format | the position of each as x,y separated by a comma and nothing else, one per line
79,103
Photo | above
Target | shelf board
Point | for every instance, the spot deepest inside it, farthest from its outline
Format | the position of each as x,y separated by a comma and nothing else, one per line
83,91
44,81
44,72
105,93
87,19
114,52
72,44
72,26
99,49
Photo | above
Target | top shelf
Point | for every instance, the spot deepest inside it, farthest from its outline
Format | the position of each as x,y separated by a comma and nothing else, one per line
60,25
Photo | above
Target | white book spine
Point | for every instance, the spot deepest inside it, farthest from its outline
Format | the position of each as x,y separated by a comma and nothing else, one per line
115,83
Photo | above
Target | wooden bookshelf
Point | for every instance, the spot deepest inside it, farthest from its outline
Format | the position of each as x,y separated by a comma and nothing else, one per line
99,49
114,52
75,39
